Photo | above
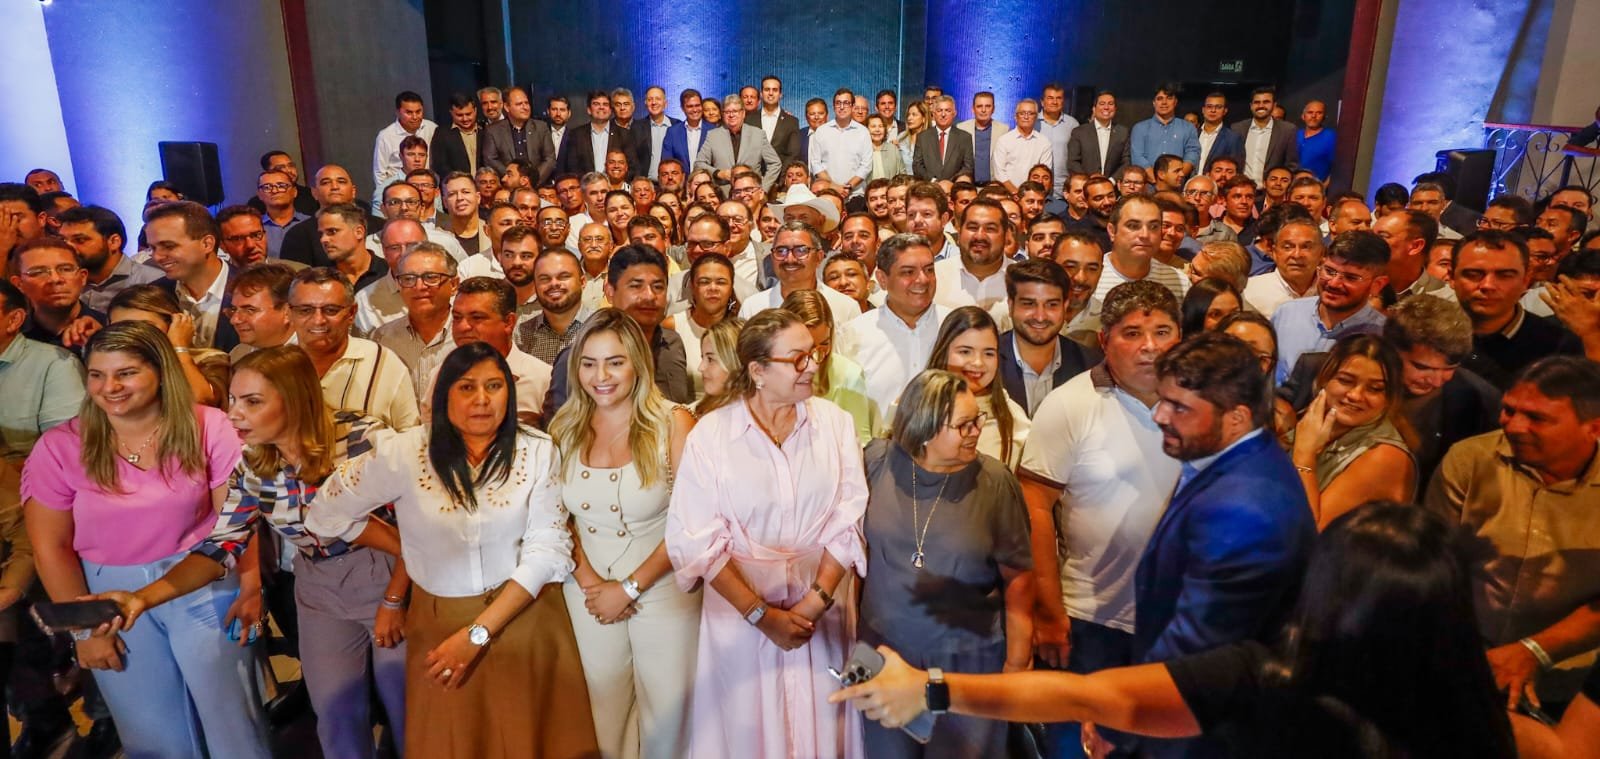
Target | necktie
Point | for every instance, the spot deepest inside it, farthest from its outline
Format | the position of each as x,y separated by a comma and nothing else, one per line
941,146
1186,473
735,137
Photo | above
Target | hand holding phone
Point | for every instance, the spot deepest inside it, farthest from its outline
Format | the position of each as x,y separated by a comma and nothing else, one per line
865,663
74,616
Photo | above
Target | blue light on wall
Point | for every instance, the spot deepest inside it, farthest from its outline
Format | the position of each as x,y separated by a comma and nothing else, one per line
1008,47
33,135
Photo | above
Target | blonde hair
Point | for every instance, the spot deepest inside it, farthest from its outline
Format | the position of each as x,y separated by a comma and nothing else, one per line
178,438
813,311
723,338
652,412
212,363
308,419
755,345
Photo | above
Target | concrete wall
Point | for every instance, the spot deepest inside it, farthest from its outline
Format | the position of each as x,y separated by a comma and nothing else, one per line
136,72
1568,92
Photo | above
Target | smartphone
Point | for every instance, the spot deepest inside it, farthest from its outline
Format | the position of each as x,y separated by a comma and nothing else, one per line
66,617
865,663
234,628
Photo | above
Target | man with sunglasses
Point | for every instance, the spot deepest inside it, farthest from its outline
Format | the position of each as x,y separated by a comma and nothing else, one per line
1354,269
797,253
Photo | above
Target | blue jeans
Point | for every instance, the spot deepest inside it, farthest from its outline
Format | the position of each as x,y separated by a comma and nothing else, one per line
1094,647
185,689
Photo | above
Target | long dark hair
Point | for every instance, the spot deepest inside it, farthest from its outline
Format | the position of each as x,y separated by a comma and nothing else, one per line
958,323
1197,302
447,451
718,259
1384,642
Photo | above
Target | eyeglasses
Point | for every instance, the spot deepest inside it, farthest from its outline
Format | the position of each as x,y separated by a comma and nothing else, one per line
1544,258
970,427
553,222
257,236
702,244
246,312
406,203
1199,194
429,278
275,187
801,362
43,272
422,185
735,221
792,251
306,312
1329,273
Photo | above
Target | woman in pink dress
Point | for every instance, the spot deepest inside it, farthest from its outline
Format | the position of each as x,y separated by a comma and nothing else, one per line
766,512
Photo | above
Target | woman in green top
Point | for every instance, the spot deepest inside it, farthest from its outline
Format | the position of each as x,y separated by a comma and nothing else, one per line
838,378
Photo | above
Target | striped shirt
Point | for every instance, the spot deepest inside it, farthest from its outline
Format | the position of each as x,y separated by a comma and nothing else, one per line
284,499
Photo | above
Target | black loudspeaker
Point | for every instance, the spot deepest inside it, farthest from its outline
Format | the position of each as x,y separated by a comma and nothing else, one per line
194,168
1473,171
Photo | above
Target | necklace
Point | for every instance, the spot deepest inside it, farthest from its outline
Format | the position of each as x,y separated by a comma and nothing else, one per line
133,458
774,438
920,536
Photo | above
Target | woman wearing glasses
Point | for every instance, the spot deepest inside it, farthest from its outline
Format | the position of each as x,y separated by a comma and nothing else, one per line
969,345
949,580
765,512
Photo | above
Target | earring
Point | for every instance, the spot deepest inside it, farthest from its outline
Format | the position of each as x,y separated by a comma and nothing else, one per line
758,384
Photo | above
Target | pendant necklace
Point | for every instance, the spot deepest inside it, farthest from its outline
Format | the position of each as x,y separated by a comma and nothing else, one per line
133,458
920,536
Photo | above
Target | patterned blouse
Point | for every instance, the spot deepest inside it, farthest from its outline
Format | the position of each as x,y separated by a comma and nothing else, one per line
284,499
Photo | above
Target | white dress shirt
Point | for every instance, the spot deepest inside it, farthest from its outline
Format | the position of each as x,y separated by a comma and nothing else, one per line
206,309
658,134
1102,134
599,141
693,136
1207,139
844,307
1264,292
1016,153
769,122
386,151
957,287
889,352
518,532
842,152
1059,134
556,135
1255,150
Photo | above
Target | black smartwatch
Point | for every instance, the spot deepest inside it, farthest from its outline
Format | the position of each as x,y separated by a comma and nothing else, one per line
936,692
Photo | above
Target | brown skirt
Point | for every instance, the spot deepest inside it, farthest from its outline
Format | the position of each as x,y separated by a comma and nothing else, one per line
525,697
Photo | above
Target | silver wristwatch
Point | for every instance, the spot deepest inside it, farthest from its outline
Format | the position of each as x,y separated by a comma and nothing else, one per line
756,614
478,635
631,587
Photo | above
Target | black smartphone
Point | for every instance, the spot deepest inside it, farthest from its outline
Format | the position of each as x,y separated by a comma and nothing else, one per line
74,615
865,663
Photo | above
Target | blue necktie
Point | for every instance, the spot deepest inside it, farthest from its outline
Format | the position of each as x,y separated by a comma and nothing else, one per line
1186,474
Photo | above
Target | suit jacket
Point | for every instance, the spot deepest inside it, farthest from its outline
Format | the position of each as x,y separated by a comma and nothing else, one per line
496,148
1228,143
958,157
1083,150
785,137
226,337
639,133
1225,561
754,151
577,150
448,152
1283,147
676,145
303,244
1075,359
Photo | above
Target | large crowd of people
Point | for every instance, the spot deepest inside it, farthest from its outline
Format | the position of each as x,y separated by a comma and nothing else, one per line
609,438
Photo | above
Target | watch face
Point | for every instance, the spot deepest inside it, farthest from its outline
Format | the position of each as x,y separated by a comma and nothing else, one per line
478,635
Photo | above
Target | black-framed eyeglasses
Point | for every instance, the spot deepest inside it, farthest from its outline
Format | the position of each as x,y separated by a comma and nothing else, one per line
256,236
406,203
970,427
801,362
275,187
306,312
429,278
701,244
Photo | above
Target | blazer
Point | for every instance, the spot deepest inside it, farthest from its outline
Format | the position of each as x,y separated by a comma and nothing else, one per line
997,129
448,152
497,148
676,145
785,137
1075,359
1228,143
893,164
754,151
958,156
1225,561
577,150
639,133
1283,147
1083,150
226,337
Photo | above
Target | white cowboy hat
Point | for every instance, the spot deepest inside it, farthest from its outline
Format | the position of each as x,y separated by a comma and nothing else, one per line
800,196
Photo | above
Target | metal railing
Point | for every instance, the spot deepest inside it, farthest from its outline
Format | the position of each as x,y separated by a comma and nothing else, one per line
1533,160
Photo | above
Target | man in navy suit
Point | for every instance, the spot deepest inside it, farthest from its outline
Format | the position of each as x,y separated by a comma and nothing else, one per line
578,153
1216,138
684,138
1225,561
649,133
1034,356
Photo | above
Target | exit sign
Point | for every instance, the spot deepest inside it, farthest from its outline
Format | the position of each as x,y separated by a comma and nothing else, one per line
1234,67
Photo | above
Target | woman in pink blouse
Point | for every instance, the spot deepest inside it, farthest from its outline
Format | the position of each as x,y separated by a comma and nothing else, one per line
115,498
766,511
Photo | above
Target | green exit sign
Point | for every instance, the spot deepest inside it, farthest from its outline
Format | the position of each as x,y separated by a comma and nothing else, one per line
1234,67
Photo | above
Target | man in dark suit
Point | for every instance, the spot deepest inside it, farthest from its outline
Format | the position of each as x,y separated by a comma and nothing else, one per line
782,128
1083,145
816,116
331,186
684,138
519,135
578,149
1224,141
458,148
942,151
1036,294
1225,561
1281,146
647,144
185,237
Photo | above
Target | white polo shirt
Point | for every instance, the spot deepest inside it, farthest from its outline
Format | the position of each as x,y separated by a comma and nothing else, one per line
1102,446
890,352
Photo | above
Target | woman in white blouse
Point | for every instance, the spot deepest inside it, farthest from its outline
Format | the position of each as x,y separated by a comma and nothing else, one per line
492,667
